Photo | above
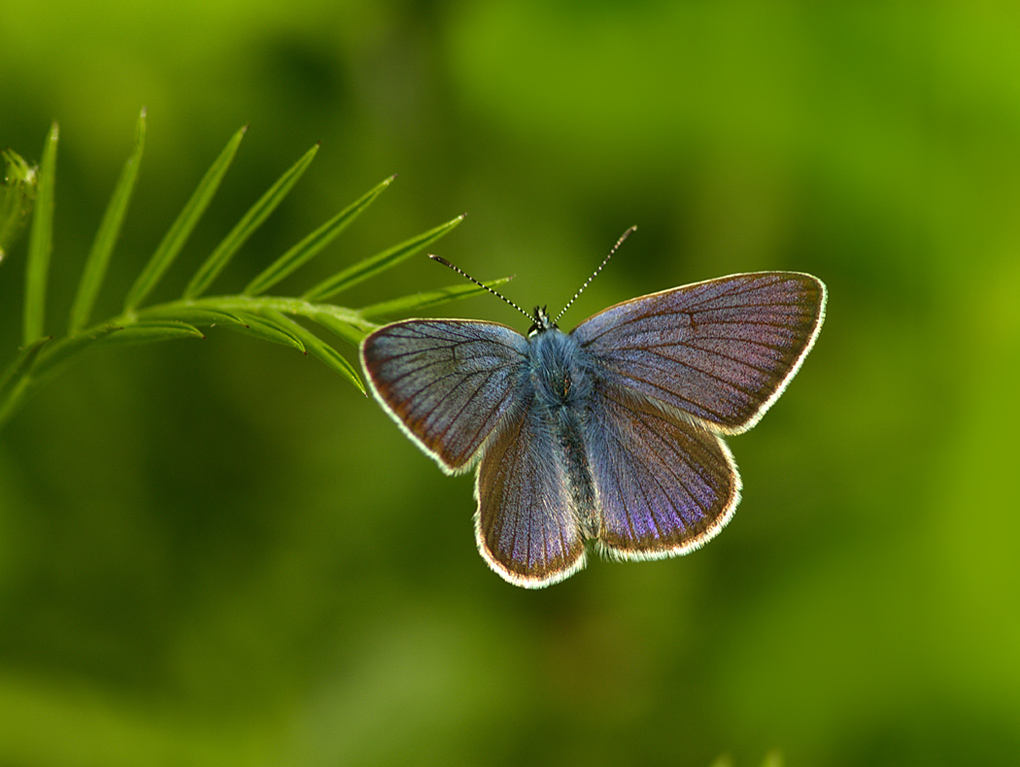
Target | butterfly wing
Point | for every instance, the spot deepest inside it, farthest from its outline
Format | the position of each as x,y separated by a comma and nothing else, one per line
664,485
525,527
721,351
447,383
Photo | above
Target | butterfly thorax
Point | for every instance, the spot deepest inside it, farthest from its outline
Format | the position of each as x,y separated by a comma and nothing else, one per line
559,370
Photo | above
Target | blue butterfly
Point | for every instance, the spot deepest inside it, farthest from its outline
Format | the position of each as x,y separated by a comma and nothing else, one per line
612,432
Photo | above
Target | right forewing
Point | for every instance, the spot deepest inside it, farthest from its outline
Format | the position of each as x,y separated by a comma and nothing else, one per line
447,383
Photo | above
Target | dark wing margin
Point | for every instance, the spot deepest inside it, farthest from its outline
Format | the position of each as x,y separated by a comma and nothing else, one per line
525,527
721,351
447,383
664,485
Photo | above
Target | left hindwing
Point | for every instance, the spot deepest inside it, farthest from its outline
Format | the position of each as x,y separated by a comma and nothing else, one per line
721,351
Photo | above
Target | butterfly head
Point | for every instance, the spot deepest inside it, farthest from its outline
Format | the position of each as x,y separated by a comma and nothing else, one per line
542,322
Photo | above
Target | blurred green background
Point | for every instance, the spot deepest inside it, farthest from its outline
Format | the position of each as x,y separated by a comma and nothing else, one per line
218,553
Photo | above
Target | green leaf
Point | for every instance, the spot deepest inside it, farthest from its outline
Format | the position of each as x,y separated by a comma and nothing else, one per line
181,229
40,242
377,263
268,330
150,332
313,243
408,304
17,193
193,315
352,334
320,349
99,257
251,221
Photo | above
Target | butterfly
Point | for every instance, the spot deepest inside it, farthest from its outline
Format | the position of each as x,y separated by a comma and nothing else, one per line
611,433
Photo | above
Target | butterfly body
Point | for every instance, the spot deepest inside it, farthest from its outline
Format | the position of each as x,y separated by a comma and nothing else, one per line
562,378
612,432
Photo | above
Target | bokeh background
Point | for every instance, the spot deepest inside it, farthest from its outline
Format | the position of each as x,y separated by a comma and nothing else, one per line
218,553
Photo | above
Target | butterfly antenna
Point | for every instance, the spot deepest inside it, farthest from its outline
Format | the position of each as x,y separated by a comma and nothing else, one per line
605,261
482,285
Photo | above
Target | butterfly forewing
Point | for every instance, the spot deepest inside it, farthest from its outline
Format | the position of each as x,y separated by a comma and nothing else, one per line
525,526
664,485
448,383
721,351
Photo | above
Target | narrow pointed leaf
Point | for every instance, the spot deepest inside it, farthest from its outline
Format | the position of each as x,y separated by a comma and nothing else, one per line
17,193
251,221
267,329
313,243
99,257
40,242
408,304
320,349
345,330
21,365
377,263
181,229
193,315
150,332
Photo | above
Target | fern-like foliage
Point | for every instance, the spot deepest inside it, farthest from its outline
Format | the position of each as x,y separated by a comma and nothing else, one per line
253,311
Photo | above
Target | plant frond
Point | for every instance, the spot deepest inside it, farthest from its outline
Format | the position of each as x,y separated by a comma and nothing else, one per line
418,301
57,353
17,194
40,243
200,316
349,332
301,253
106,238
320,349
149,332
182,227
270,318
244,229
261,326
372,265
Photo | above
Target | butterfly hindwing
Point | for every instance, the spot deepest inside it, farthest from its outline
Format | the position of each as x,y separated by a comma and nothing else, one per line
664,485
720,351
447,383
525,526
